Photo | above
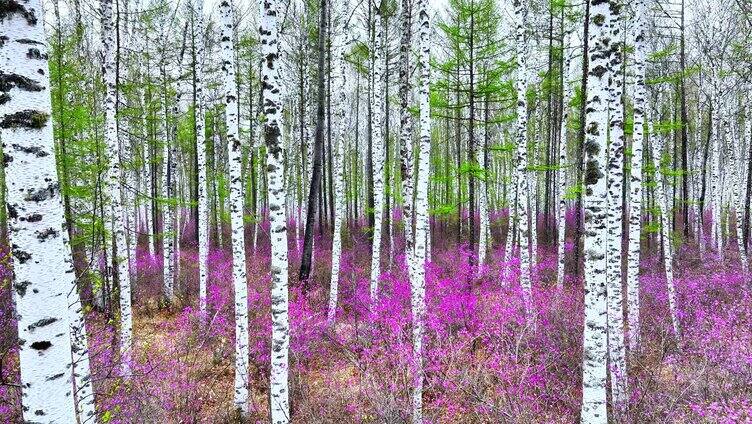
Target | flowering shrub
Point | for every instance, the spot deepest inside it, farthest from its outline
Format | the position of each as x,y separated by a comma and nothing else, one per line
483,361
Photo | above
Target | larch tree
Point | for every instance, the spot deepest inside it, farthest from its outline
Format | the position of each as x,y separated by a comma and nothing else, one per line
272,127
314,192
417,264
594,368
53,356
114,189
234,148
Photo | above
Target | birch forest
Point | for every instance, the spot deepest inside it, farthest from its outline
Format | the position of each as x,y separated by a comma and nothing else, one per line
375,211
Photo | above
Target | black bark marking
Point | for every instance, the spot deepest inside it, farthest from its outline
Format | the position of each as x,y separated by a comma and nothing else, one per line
34,53
41,194
9,8
10,80
35,217
3,39
42,323
55,377
32,150
21,255
39,412
592,173
44,235
21,287
27,41
598,71
25,119
41,345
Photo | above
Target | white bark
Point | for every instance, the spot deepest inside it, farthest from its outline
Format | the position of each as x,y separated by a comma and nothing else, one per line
272,105
668,251
596,206
715,166
521,160
569,51
242,351
48,328
406,130
113,185
635,183
341,48
417,265
203,198
169,212
616,354
378,153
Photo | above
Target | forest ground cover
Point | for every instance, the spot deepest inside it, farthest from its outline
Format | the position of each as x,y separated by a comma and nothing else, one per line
483,363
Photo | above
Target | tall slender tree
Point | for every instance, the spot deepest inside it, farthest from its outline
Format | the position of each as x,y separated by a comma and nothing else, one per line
50,323
272,110
596,207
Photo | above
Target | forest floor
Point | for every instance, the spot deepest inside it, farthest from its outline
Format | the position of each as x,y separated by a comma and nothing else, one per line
484,363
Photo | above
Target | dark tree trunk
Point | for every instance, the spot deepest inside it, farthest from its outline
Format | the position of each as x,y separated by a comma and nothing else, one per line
581,146
313,194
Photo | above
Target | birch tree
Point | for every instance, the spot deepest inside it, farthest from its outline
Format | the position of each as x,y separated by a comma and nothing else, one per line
340,61
378,151
114,177
521,180
48,327
616,356
417,265
596,206
668,252
406,129
234,148
200,139
272,121
569,69
635,182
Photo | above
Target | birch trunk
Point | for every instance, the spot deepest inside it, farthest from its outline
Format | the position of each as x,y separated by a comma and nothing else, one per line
114,177
521,160
562,187
715,161
406,130
202,197
596,205
615,178
668,254
417,264
635,183
42,263
237,232
736,195
341,47
272,104
169,212
378,153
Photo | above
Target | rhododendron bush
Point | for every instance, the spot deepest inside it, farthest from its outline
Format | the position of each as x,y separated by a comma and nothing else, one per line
483,361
